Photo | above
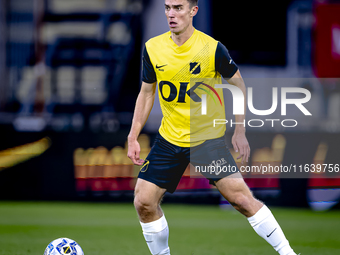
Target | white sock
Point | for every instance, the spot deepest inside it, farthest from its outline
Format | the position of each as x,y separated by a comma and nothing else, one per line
156,235
267,227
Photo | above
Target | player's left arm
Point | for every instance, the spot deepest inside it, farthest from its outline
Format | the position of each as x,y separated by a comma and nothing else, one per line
239,140
225,65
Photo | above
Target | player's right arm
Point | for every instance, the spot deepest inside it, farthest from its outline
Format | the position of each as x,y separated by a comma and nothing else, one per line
142,111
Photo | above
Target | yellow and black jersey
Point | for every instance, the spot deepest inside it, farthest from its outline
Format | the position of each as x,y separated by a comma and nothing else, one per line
175,68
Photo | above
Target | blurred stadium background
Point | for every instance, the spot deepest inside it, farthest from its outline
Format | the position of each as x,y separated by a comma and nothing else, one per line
70,75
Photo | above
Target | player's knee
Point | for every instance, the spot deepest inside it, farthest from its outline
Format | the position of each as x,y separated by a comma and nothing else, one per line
144,206
241,202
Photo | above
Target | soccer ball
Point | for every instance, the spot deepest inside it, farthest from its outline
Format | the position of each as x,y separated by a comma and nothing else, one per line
63,246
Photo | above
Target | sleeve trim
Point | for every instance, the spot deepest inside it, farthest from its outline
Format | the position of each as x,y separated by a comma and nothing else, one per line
149,75
224,64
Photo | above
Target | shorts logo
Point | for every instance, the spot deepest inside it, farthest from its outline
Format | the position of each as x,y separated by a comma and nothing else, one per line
219,162
145,166
218,165
195,68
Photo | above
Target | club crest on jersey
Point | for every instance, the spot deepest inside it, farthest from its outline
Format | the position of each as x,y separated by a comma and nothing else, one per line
195,68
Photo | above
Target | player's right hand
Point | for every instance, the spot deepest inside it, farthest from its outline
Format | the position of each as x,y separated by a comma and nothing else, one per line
133,153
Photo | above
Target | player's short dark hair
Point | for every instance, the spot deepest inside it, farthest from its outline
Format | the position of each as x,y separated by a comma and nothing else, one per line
193,2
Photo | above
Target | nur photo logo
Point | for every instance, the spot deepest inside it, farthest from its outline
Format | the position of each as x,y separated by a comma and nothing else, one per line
281,99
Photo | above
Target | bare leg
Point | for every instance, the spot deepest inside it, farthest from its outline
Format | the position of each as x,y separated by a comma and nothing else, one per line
147,201
154,225
236,191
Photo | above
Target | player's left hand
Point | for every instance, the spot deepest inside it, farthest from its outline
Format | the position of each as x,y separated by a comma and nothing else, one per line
240,144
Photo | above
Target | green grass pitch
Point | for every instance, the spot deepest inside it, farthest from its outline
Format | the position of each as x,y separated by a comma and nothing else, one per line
109,228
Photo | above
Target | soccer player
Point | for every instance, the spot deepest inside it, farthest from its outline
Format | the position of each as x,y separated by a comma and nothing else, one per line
171,60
